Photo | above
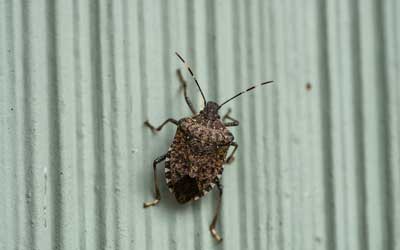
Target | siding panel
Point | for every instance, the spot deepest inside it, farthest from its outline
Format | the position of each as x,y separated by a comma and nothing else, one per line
319,155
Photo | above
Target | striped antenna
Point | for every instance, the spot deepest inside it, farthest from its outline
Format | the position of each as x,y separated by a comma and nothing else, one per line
191,72
244,91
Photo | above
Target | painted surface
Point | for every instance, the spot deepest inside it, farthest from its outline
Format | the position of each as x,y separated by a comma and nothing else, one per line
319,156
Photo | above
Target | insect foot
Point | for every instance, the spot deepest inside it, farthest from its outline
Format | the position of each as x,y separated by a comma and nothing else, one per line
230,159
151,203
156,189
217,210
215,234
147,124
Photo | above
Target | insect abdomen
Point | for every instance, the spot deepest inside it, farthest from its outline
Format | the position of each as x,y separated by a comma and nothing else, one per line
191,173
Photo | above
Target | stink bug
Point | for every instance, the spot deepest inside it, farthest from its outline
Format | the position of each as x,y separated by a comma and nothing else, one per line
195,160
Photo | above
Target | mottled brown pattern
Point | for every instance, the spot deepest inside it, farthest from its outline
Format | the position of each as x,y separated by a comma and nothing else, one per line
198,151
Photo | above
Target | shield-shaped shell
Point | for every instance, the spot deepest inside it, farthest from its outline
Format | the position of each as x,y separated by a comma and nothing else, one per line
196,156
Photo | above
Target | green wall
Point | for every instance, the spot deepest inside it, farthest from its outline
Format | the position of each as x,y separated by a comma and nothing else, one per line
319,156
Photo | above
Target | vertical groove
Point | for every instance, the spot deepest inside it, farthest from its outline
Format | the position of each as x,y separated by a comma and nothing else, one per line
326,127
54,128
277,136
342,140
29,137
396,119
359,126
384,127
98,110
191,32
277,100
115,180
296,127
115,151
237,86
144,90
275,128
250,64
264,158
128,90
5,133
212,60
80,168
15,193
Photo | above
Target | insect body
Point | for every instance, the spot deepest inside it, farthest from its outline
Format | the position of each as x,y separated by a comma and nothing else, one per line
194,162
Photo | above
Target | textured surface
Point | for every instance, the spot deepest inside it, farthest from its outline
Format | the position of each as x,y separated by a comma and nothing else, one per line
319,156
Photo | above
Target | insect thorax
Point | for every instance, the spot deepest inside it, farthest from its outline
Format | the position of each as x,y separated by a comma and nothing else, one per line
206,132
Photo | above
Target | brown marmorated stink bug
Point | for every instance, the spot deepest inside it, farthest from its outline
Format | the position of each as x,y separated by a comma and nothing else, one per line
195,160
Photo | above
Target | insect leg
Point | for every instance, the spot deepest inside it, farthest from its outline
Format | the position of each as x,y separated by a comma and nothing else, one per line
231,157
157,190
154,129
214,221
184,86
233,122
